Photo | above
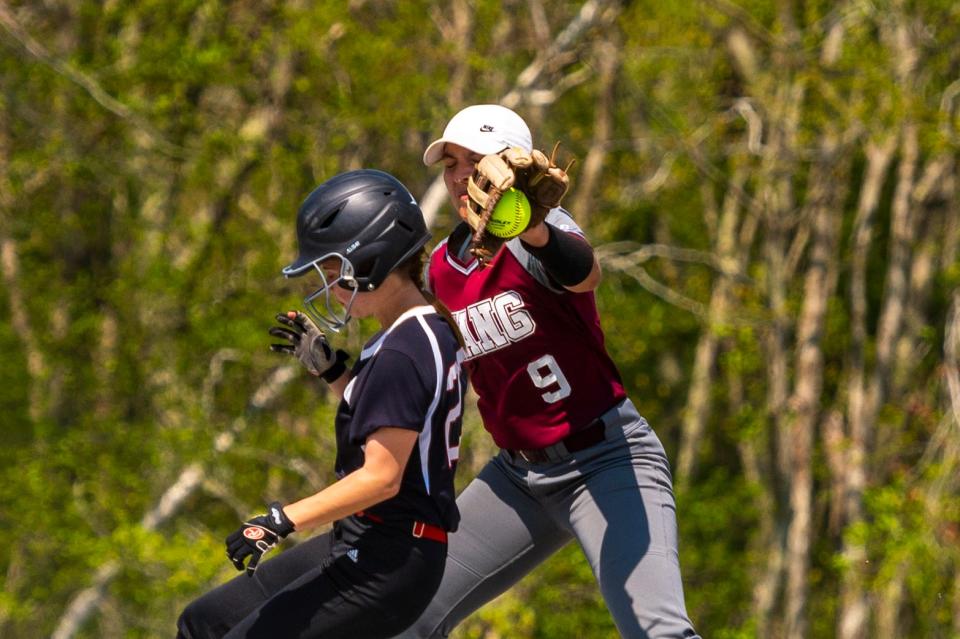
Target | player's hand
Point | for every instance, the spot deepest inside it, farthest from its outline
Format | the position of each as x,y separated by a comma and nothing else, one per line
534,174
258,536
307,343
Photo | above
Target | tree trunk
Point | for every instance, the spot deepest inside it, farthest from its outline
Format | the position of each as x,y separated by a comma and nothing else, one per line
855,607
826,196
584,204
37,368
854,610
732,255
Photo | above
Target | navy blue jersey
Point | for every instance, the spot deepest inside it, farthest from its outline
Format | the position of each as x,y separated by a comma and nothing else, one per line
408,376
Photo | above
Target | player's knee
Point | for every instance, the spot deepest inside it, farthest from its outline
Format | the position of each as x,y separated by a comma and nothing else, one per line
186,625
195,621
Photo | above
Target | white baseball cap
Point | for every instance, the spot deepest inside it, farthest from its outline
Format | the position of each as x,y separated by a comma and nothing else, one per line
484,129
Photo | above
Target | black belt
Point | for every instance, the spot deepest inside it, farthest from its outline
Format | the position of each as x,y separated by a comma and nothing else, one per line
584,438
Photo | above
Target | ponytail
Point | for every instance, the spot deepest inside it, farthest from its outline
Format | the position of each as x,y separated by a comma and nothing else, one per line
416,267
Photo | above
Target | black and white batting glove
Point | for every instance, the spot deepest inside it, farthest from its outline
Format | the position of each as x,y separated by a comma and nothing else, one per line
307,343
258,536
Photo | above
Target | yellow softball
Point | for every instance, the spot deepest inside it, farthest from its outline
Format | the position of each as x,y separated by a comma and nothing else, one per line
511,215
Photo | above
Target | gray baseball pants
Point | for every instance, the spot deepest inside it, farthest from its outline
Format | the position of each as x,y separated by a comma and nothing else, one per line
614,498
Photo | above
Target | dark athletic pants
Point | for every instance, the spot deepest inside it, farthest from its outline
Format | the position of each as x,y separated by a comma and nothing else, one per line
321,588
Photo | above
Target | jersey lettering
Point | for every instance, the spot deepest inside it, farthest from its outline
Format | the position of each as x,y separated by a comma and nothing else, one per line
516,321
481,318
494,323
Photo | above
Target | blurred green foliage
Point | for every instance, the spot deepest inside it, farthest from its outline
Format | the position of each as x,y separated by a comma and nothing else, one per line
152,158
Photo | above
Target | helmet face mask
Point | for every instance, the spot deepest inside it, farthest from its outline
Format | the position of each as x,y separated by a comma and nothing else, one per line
329,315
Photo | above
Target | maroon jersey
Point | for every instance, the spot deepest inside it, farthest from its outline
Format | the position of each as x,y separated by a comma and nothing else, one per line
534,351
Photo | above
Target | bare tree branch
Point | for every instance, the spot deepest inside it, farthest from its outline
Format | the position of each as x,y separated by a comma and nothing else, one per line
743,18
538,18
855,606
88,84
639,253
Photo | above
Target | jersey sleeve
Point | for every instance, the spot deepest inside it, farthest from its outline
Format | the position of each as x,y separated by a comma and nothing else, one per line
397,392
560,219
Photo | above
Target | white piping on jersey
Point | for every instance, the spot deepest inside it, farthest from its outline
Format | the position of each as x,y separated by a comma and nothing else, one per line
427,430
348,390
466,270
372,349
419,311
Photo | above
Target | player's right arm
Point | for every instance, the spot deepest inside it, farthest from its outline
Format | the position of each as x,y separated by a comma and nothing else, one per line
386,453
567,257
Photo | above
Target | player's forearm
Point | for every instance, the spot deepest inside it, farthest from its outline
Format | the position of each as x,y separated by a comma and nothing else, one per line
567,258
358,490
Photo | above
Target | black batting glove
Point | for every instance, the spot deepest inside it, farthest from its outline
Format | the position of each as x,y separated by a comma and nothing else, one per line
307,343
258,536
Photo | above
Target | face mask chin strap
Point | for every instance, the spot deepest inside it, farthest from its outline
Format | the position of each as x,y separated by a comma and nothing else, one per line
328,316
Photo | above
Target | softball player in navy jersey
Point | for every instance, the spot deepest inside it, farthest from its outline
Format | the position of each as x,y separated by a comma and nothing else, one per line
577,460
397,430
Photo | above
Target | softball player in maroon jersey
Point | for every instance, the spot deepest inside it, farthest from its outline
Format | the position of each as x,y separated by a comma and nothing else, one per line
577,460
397,430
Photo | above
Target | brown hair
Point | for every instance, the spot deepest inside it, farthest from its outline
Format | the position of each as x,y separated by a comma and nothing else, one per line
414,268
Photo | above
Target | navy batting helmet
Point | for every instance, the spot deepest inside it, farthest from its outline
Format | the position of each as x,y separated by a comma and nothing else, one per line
367,219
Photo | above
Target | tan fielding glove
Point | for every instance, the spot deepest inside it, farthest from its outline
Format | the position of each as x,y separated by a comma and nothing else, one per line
537,176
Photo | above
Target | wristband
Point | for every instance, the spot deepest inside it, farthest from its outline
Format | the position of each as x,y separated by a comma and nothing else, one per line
338,368
565,257
279,521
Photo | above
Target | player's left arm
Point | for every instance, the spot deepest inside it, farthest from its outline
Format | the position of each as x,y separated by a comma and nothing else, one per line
301,338
567,257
